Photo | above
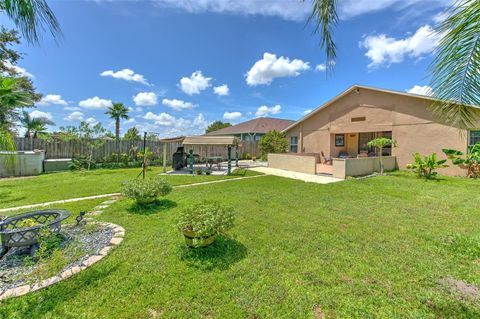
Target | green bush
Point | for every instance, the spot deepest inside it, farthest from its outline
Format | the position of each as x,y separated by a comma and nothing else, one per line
206,218
146,191
425,166
273,142
469,162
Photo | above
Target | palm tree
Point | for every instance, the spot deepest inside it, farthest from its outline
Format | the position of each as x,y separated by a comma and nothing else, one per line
455,79
32,17
34,125
11,98
116,112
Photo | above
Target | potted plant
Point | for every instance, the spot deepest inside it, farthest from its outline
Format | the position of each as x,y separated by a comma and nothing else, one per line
202,222
146,191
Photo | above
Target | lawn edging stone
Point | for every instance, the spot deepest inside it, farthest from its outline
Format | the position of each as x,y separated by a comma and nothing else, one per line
118,235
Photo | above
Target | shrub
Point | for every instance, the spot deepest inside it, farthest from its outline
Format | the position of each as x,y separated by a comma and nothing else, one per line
470,162
425,166
206,218
273,142
146,191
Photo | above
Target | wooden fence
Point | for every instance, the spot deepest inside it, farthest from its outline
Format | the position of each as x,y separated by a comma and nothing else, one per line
75,148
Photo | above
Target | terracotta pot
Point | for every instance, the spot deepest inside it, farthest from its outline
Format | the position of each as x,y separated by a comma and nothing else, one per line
194,240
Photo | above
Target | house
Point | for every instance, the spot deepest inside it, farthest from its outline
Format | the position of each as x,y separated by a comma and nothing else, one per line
254,129
335,135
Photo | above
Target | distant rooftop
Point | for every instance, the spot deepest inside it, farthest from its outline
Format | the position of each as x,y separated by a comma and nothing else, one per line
259,125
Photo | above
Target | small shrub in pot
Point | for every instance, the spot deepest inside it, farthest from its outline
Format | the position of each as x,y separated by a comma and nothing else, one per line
201,222
146,191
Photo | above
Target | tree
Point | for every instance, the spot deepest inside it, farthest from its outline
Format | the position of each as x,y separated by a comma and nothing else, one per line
34,125
273,142
132,134
217,125
117,112
12,97
455,79
381,143
91,137
455,69
9,59
32,17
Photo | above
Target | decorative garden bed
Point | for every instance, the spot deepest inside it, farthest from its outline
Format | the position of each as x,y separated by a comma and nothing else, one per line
83,246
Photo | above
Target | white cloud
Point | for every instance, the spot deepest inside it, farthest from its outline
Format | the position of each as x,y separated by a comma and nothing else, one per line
199,122
130,121
95,103
139,109
422,90
39,114
178,105
173,126
91,121
232,115
440,17
385,50
265,110
75,116
127,75
264,71
19,70
162,119
145,99
52,99
352,8
321,67
221,90
195,83
72,108
307,111
286,9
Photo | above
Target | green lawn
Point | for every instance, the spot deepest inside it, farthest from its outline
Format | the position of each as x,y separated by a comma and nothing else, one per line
50,187
371,248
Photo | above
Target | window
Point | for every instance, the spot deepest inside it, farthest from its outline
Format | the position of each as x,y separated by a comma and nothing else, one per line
474,138
293,144
339,140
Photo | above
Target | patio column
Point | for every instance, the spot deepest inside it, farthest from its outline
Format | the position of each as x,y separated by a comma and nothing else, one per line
190,161
229,158
236,155
164,157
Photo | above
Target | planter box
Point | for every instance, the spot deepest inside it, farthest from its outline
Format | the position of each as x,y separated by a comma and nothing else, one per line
343,167
57,164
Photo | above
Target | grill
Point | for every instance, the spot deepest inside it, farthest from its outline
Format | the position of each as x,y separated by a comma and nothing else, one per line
179,159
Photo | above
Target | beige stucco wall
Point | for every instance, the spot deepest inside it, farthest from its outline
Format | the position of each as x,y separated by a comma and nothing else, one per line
412,125
361,166
297,163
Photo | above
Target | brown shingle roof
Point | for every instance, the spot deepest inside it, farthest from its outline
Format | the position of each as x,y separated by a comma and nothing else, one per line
258,125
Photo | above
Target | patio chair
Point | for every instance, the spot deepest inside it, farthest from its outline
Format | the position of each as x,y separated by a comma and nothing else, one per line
327,161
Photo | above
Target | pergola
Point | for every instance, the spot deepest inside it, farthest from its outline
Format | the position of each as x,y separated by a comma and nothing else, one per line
227,141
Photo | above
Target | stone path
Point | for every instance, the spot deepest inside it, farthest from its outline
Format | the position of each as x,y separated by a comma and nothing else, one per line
114,195
295,175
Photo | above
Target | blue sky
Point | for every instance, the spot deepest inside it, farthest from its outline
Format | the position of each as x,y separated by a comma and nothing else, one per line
181,64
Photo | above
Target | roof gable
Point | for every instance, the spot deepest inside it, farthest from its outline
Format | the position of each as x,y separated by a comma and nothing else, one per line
258,125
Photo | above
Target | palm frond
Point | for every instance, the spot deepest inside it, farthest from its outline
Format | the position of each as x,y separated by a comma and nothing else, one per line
455,69
32,17
324,17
